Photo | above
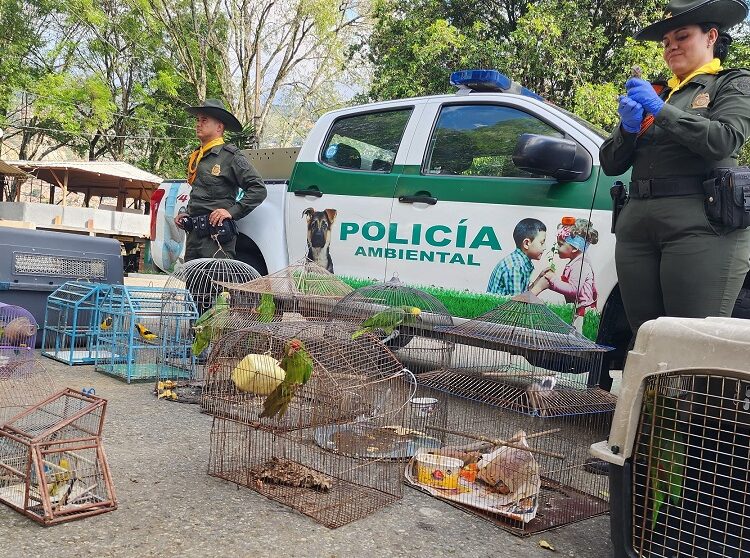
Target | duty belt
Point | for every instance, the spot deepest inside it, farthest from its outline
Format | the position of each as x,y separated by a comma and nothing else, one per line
665,187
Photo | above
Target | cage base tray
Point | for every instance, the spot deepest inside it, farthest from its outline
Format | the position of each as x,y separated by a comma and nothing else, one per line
373,442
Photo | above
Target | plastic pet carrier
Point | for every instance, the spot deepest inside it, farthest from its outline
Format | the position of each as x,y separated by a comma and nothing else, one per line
679,447
34,263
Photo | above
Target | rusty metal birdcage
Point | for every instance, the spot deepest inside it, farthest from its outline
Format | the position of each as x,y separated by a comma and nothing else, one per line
18,330
23,384
409,321
332,453
181,372
520,374
301,291
679,446
52,464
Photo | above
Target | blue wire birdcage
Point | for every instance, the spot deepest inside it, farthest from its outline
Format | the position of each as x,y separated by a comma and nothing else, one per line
71,320
131,346
18,330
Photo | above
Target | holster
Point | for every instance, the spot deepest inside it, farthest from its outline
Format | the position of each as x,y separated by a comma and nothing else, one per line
619,196
727,197
223,233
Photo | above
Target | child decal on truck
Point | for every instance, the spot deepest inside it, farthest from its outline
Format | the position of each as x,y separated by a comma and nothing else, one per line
576,283
512,274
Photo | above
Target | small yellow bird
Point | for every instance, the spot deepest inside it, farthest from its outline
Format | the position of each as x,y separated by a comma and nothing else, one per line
145,333
61,478
106,324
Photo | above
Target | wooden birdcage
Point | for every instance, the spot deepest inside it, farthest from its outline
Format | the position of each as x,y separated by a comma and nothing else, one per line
336,453
520,374
181,372
409,321
18,330
301,291
71,322
52,464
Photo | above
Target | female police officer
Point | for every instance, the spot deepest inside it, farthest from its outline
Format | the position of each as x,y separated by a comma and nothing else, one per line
671,260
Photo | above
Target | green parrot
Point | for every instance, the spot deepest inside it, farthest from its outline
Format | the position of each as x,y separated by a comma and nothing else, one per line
667,452
267,308
388,320
211,323
298,365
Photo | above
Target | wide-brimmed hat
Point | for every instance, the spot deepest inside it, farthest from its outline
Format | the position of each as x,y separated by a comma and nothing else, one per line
725,13
215,109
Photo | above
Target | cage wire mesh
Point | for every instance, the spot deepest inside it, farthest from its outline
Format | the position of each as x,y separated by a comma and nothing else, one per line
302,290
522,356
23,384
70,322
350,378
18,330
519,374
52,465
691,470
181,372
410,322
129,338
336,453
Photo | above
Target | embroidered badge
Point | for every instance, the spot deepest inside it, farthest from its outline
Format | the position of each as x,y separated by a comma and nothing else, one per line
216,170
701,101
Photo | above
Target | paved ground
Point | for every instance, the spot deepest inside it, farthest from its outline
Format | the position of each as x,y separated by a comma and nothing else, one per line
169,506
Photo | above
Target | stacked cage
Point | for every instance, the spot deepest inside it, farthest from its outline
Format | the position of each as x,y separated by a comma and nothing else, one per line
332,450
520,414
181,372
23,384
301,291
71,321
52,465
18,330
680,440
129,338
410,322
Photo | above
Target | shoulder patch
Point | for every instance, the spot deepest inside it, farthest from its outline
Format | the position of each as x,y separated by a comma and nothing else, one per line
241,161
742,84
231,148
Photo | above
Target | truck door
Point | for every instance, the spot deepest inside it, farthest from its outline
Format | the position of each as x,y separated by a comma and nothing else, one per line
341,193
459,198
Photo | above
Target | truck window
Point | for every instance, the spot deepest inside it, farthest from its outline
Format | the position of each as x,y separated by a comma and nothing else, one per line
366,141
478,140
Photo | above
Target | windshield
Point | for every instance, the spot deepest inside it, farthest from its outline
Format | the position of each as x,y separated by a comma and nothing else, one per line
585,123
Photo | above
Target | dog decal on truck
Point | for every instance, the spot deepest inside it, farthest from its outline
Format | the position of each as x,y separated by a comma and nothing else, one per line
319,225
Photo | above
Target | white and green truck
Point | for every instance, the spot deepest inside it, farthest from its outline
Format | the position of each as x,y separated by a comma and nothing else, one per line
431,189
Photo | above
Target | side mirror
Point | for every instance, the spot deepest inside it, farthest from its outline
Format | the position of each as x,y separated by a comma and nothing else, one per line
559,158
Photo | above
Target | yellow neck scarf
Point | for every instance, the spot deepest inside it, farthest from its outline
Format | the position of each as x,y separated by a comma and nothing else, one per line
197,155
713,67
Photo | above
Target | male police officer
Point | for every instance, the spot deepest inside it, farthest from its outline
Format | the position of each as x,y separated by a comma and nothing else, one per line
216,172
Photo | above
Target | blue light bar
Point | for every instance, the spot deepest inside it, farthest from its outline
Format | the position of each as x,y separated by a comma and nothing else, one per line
490,81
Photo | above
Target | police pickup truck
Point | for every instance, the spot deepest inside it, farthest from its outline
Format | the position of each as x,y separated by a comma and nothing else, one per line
434,189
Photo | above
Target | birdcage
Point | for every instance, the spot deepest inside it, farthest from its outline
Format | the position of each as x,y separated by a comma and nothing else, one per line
336,452
18,330
71,320
410,322
679,447
522,356
130,340
350,377
181,373
52,464
303,290
23,384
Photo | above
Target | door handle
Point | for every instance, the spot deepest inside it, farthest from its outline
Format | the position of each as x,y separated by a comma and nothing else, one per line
429,200
311,191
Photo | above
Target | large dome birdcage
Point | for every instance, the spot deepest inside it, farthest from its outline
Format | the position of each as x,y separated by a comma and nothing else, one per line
407,320
522,356
301,291
181,371
350,378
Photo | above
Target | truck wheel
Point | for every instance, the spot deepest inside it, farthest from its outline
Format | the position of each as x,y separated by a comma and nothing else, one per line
248,252
742,306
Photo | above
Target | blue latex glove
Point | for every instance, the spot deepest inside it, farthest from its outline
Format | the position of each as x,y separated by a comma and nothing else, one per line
631,114
643,92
